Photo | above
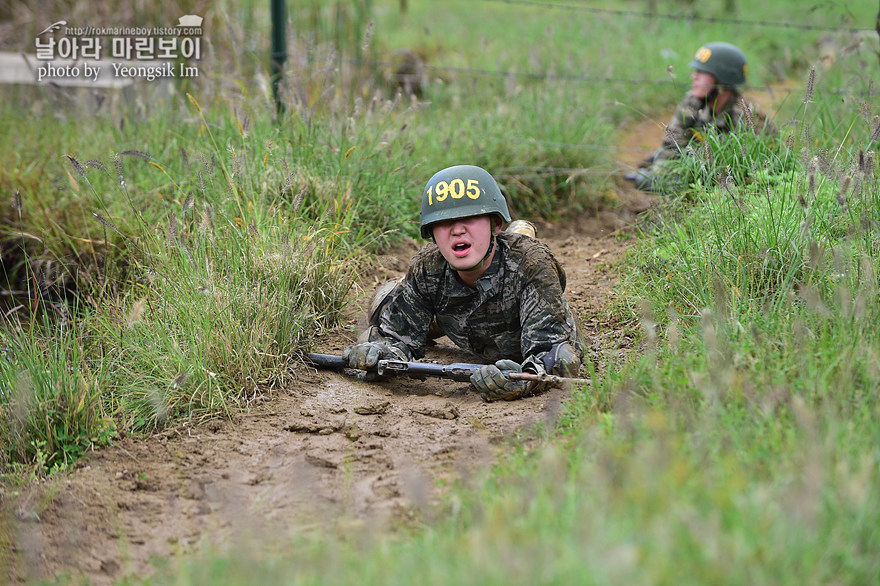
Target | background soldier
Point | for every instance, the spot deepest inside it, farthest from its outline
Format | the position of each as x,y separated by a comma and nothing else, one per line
496,294
714,101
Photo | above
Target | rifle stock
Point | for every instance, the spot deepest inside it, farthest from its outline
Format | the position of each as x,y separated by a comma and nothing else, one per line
458,371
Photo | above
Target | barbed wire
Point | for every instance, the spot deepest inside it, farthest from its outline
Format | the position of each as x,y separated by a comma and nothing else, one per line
581,78
583,146
546,75
685,82
527,75
515,74
691,17
551,172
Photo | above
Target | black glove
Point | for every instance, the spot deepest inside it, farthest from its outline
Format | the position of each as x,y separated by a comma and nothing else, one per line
367,355
493,385
562,359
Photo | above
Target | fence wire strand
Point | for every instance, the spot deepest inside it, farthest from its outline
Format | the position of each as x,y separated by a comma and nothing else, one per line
687,17
548,171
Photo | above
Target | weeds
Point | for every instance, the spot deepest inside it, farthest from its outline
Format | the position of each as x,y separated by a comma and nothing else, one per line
741,448
207,287
52,408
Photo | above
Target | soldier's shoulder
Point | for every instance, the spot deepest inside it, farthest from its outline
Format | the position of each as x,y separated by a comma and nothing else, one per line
528,253
691,102
428,258
522,243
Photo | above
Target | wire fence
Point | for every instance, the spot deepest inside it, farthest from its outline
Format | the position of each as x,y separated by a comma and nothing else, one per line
679,17
585,79
548,171
536,172
545,76
526,75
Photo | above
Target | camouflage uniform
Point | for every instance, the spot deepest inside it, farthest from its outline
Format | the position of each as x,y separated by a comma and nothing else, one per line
515,311
691,119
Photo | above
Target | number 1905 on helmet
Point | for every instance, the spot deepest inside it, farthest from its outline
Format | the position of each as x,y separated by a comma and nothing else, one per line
461,191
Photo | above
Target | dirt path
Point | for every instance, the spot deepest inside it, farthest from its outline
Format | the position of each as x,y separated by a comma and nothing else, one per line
328,451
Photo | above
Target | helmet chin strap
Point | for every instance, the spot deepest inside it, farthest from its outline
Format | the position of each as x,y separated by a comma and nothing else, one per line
489,251
711,96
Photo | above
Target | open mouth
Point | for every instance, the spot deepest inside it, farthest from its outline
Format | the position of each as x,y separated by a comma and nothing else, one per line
461,249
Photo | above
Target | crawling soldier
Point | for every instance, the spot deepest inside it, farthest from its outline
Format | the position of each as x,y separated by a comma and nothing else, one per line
714,102
496,294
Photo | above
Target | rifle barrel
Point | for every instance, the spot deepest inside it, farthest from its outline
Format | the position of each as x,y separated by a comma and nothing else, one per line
458,371
548,378
328,360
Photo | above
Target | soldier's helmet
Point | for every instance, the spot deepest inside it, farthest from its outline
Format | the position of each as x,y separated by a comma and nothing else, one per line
460,192
723,60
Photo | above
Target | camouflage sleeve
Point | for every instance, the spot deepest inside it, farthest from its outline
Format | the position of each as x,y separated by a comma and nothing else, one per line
754,119
405,321
680,129
738,114
730,116
544,315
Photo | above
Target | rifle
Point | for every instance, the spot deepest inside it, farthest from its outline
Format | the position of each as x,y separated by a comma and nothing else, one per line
458,371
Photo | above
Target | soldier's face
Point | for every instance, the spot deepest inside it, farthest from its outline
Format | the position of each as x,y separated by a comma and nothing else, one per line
702,83
464,242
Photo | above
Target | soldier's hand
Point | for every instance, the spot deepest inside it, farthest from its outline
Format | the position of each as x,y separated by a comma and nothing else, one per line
493,385
367,355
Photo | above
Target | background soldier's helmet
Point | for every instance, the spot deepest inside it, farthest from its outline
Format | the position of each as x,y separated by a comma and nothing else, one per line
723,60
460,192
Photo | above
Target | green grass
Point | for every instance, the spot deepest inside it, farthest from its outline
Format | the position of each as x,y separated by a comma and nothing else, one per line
52,409
738,446
193,293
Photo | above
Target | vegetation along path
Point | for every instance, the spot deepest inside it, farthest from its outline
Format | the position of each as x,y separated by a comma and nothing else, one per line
329,451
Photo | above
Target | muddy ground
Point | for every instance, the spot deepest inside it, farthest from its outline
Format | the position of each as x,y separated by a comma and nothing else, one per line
329,449
326,451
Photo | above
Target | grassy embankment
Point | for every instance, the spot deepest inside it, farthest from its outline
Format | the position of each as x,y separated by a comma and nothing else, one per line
177,252
740,447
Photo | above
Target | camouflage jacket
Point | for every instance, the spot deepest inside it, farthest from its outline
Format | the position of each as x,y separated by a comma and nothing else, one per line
693,116
516,310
